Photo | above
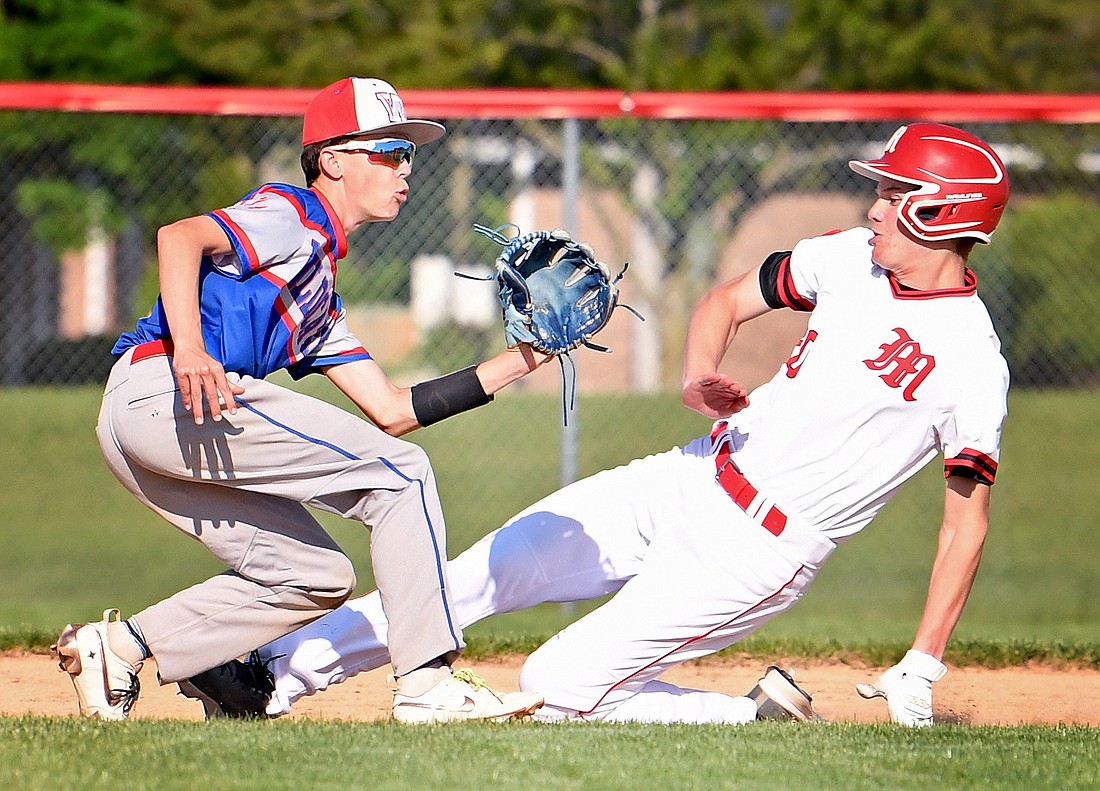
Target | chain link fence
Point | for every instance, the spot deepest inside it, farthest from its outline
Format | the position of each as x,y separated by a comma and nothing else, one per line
684,202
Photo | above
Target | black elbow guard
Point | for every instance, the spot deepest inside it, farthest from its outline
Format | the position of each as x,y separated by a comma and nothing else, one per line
437,399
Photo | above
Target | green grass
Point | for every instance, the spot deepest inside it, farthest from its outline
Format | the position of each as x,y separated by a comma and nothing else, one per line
43,753
75,541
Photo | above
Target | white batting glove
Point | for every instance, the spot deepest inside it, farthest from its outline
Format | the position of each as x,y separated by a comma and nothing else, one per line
907,687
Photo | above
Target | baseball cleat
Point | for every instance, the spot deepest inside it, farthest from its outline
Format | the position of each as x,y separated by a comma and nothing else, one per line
237,690
440,695
106,685
779,698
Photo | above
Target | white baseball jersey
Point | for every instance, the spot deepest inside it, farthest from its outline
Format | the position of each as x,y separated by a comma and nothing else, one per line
907,374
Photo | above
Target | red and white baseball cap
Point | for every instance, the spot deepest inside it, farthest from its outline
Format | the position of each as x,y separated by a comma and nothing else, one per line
362,106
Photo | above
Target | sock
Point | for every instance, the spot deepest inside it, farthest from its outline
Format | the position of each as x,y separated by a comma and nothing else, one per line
126,640
438,662
139,637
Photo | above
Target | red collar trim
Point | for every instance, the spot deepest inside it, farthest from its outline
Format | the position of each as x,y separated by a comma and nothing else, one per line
341,236
968,289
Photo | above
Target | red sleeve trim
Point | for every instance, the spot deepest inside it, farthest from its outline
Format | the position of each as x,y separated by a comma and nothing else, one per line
788,293
974,464
777,284
237,235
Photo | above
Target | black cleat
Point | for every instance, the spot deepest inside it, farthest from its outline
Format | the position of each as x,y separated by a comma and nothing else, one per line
238,690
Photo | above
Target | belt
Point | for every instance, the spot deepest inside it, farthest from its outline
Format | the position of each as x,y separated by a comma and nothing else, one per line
161,347
737,486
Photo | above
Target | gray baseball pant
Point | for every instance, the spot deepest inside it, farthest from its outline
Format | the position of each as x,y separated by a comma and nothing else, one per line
240,486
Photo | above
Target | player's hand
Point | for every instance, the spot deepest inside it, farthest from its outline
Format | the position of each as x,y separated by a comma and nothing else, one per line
907,687
715,395
199,375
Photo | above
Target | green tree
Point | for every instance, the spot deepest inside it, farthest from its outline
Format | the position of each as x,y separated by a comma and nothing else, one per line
82,40
964,45
314,42
648,45
896,45
940,45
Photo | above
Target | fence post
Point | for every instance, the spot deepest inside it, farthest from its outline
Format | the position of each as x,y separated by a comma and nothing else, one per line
571,177
571,170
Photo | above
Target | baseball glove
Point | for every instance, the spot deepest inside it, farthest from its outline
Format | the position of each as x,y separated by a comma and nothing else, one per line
553,292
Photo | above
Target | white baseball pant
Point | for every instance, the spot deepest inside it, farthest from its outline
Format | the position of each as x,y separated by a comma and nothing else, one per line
691,571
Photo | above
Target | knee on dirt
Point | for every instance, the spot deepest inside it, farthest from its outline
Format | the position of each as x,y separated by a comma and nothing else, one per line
545,673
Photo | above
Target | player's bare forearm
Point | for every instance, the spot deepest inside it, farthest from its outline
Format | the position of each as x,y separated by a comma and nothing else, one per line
179,256
445,396
714,324
710,332
180,248
962,537
509,366
365,383
393,409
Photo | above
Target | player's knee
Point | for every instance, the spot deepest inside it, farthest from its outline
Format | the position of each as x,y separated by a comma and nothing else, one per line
539,673
344,581
568,684
414,463
336,584
529,677
544,674
411,479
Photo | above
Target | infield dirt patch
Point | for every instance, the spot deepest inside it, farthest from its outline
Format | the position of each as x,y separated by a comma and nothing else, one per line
976,696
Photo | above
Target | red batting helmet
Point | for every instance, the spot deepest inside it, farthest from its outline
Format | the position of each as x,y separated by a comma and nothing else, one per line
962,186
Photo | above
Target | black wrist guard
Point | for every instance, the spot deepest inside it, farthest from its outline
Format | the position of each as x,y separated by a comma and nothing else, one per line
448,395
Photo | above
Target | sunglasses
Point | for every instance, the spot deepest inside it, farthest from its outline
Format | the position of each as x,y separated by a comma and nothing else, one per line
389,152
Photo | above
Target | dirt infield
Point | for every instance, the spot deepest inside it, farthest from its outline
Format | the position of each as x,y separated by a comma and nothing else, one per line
976,696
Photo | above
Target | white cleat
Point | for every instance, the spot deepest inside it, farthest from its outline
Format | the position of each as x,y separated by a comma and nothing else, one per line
440,695
106,685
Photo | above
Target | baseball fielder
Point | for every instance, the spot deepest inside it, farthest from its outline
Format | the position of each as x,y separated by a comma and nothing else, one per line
245,291
702,545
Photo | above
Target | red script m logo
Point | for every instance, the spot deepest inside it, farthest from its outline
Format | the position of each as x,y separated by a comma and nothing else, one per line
909,368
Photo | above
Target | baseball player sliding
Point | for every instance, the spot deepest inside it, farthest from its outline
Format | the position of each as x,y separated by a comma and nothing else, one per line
702,545
192,429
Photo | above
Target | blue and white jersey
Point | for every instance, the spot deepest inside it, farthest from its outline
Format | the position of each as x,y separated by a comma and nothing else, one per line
271,303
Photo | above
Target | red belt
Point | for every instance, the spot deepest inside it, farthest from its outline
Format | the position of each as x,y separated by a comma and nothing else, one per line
159,348
738,487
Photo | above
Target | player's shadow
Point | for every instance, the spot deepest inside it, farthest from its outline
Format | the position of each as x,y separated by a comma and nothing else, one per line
542,557
539,557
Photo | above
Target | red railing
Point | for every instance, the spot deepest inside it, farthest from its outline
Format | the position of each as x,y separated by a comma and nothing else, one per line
509,103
